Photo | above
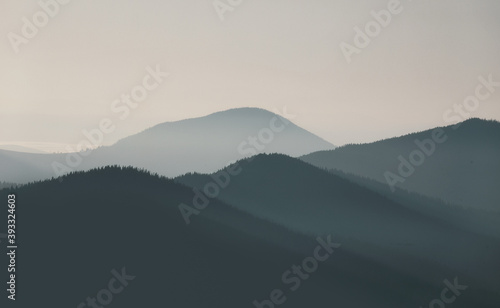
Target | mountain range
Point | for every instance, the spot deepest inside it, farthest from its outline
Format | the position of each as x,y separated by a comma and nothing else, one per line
170,149
82,228
228,210
312,201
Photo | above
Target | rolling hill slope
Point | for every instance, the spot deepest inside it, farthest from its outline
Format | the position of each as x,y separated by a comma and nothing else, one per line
463,169
302,197
78,230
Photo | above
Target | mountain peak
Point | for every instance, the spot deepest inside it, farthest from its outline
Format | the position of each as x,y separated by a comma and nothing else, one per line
244,111
479,122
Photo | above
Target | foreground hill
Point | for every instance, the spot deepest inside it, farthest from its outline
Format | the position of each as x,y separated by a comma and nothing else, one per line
463,169
78,230
202,144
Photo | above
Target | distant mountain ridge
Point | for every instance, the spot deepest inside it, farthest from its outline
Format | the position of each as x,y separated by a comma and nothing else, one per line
202,144
23,149
220,138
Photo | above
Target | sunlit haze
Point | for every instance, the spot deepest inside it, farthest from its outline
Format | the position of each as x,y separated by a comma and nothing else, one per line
268,54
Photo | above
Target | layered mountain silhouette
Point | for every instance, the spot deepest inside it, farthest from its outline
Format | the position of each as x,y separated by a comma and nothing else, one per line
463,168
261,215
302,197
202,144
77,230
468,218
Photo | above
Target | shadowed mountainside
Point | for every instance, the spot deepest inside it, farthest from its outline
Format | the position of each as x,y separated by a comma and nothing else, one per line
464,169
72,233
472,219
305,198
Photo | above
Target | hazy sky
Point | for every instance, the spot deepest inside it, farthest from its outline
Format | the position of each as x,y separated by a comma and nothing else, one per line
267,54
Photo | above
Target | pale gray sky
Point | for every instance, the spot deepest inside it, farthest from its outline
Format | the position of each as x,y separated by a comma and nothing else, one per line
267,54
